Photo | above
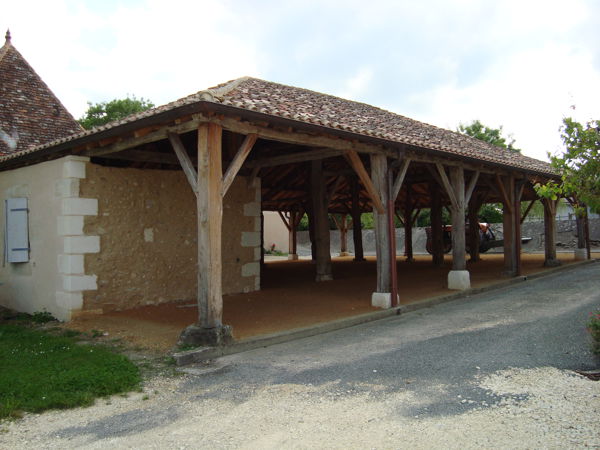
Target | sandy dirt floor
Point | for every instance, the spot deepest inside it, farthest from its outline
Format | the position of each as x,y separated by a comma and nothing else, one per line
290,298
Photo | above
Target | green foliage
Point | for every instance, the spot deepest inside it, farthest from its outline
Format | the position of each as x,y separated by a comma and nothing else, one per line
491,213
579,165
42,371
593,327
101,113
491,135
42,317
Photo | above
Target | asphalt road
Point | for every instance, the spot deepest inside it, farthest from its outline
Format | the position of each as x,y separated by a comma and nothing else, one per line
424,367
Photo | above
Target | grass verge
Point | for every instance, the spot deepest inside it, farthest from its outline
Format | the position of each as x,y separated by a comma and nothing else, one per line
39,371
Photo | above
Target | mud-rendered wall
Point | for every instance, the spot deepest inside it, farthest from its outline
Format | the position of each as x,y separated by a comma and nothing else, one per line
147,223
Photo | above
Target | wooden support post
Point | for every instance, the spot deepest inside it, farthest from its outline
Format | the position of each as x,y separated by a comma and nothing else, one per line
459,261
437,232
408,225
380,182
356,224
342,226
209,330
507,188
586,227
550,233
293,241
518,193
321,229
473,214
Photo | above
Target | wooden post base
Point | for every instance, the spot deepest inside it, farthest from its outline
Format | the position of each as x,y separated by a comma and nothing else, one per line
195,335
552,263
292,256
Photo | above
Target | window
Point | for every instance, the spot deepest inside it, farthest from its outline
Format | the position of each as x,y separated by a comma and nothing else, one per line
16,232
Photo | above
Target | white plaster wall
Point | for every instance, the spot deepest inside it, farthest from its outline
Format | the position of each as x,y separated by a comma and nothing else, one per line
275,232
38,284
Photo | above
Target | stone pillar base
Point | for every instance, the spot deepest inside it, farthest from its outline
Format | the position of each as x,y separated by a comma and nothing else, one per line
552,263
580,254
293,256
459,280
382,300
197,336
324,277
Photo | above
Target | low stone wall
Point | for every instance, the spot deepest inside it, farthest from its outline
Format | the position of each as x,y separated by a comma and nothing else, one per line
566,238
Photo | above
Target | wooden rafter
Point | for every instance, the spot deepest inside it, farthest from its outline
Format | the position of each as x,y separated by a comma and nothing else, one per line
334,188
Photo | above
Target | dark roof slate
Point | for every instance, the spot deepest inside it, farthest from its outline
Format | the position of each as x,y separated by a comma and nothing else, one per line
332,112
30,114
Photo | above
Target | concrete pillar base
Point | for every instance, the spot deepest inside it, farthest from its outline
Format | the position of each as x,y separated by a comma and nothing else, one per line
580,254
381,300
292,257
195,335
459,280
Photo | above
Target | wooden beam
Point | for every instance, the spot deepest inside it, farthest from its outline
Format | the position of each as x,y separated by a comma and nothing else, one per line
238,161
253,178
319,153
184,160
360,170
400,179
301,138
447,186
143,156
133,141
285,220
471,187
526,213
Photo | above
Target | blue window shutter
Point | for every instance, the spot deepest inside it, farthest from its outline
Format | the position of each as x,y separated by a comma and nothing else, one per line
17,230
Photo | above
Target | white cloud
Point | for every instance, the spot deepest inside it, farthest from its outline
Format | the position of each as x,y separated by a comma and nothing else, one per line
528,93
356,85
512,63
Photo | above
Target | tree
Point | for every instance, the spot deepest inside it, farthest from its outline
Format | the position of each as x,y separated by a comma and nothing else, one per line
579,166
491,135
101,113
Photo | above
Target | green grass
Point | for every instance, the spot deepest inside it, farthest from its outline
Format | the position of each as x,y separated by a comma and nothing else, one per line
40,371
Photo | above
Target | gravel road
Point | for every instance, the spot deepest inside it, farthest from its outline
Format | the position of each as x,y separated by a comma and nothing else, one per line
494,371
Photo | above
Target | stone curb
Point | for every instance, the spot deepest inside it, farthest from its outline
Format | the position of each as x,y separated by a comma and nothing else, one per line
206,353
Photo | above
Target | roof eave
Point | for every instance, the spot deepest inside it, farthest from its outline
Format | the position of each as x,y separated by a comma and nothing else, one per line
204,106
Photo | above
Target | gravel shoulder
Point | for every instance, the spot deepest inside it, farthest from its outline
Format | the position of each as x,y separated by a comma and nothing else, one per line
492,371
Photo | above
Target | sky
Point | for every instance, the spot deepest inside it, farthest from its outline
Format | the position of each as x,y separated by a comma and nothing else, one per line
519,64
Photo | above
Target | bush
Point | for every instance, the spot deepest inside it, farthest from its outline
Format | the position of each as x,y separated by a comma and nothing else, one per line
593,327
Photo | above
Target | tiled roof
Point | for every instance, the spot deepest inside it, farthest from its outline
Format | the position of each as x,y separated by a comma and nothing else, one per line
30,114
302,105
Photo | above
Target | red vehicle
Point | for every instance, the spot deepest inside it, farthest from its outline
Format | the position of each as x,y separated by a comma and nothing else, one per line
487,238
